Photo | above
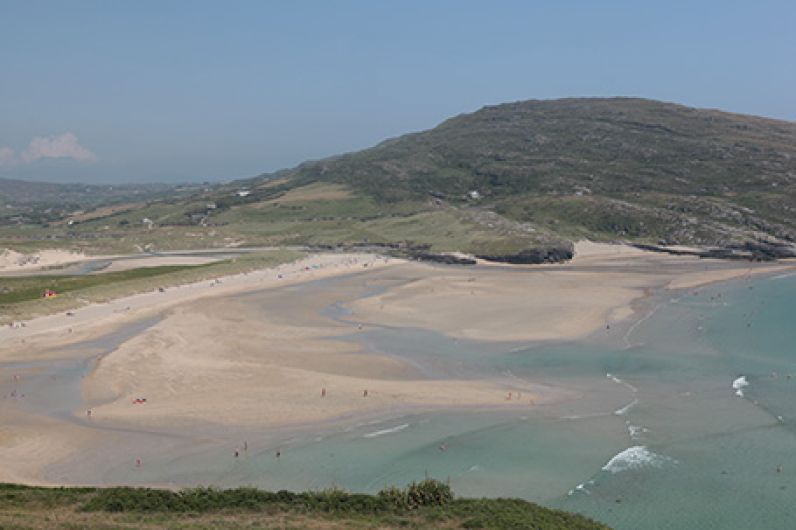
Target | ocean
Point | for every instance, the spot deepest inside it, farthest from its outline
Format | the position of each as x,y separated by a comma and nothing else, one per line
684,419
687,419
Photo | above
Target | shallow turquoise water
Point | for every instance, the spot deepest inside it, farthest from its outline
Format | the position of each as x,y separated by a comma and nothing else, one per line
660,441
720,453
659,438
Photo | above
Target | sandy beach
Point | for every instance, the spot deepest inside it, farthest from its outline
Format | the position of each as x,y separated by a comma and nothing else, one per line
15,262
543,302
262,350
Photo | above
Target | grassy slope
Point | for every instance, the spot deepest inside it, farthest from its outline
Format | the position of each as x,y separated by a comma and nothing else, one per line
29,507
354,219
546,171
649,170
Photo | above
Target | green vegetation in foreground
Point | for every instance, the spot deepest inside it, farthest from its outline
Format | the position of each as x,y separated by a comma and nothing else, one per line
426,504
21,297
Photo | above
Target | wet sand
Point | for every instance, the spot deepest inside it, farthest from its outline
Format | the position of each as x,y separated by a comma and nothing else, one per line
256,352
543,302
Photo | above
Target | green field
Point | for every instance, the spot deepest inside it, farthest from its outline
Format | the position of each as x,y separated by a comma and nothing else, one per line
26,288
21,297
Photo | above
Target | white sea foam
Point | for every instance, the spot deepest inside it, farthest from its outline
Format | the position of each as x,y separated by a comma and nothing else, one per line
635,431
636,457
581,488
386,431
621,382
739,384
624,410
584,416
632,328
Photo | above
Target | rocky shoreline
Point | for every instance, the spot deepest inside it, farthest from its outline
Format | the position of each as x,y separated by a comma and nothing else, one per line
748,251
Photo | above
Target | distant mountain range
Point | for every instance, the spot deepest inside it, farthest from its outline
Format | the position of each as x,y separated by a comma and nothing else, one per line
533,174
46,201
27,192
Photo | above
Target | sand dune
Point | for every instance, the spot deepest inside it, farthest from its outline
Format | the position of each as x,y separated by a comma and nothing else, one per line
11,260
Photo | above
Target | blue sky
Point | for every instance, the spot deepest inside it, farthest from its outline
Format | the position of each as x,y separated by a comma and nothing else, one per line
111,91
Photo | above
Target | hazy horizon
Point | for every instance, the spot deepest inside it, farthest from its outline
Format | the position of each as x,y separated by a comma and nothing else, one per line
107,92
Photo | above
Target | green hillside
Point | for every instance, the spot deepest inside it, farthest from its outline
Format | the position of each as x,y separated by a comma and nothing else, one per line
603,168
502,180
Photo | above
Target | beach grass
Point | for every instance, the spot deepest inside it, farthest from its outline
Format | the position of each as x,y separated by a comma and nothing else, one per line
26,288
427,504
21,297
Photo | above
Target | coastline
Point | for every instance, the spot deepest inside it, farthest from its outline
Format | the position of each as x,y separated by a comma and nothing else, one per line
282,352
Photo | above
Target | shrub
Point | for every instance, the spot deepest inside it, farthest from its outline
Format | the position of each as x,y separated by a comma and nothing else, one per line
395,497
130,499
428,492
337,500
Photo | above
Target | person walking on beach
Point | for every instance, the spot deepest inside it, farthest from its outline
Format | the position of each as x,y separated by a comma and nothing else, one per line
323,392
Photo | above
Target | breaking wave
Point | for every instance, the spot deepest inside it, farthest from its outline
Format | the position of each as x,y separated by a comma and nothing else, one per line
386,431
635,431
636,457
624,410
581,488
739,384
621,382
